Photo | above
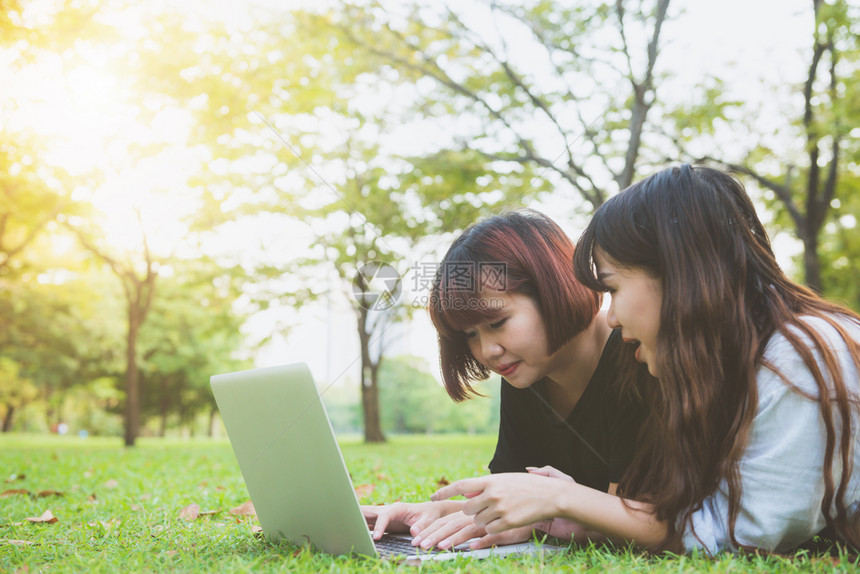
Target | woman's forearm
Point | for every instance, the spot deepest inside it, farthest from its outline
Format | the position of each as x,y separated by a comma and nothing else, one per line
608,515
501,502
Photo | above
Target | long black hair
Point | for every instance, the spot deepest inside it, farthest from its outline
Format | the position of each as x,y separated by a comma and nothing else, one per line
724,296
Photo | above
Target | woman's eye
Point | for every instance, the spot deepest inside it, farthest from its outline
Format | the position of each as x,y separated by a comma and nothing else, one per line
498,323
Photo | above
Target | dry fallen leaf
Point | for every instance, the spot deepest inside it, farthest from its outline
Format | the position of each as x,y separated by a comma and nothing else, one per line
46,518
209,512
13,492
364,489
15,477
45,493
111,483
244,509
442,482
190,512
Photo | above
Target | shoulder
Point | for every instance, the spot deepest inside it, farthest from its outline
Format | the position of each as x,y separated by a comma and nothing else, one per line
825,327
783,361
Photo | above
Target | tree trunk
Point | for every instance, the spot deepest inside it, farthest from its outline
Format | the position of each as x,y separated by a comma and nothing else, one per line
811,262
138,294
7,419
52,417
132,395
643,96
163,407
370,404
212,413
819,193
369,387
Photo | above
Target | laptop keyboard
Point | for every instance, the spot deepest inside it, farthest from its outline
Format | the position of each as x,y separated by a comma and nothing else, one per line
390,545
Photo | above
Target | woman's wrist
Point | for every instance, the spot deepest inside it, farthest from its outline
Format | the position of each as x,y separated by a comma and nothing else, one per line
567,502
610,516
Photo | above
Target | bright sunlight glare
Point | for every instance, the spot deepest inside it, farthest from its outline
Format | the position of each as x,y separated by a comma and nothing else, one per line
79,103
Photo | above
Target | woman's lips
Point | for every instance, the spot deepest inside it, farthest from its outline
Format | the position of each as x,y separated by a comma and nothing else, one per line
507,370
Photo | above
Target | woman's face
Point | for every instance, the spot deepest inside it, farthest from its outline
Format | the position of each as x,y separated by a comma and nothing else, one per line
514,344
636,302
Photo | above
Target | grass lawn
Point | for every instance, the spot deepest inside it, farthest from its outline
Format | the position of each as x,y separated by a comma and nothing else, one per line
119,510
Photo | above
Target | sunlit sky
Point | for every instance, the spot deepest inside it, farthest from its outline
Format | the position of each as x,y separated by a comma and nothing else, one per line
85,113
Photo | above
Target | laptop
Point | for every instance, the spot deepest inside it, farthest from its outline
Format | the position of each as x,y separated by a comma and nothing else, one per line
294,470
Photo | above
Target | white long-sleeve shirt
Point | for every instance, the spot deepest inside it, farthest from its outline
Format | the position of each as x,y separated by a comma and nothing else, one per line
781,468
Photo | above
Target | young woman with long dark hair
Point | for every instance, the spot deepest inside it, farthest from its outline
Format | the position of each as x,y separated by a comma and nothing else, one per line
505,300
752,432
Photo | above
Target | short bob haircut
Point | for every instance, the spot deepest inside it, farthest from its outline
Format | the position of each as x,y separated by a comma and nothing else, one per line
520,251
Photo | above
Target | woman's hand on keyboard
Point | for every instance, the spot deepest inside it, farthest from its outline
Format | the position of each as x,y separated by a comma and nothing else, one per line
410,517
457,528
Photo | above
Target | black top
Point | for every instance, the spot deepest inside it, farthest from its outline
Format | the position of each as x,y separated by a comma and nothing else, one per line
594,444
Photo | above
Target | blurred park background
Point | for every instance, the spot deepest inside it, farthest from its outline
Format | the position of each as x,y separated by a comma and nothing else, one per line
190,188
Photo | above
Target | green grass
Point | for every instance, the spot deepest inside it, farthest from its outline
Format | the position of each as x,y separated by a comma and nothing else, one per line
119,511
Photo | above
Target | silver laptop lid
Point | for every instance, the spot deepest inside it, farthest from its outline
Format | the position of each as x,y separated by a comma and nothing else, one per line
290,460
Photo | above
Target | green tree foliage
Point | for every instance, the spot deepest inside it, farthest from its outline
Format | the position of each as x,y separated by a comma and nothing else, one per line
413,401
15,391
193,332
839,116
31,197
840,246
809,175
59,328
567,89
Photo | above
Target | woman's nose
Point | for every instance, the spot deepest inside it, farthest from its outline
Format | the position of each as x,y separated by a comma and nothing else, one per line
491,347
611,319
